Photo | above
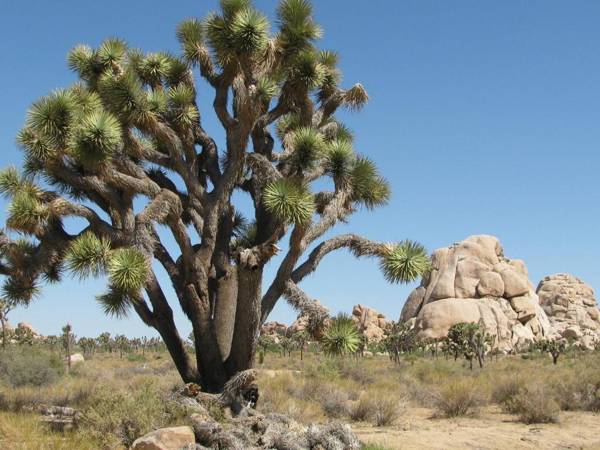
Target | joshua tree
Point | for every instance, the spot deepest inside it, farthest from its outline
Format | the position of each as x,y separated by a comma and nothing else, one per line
68,339
300,339
555,347
6,306
399,339
341,337
469,339
88,345
122,344
125,151
105,341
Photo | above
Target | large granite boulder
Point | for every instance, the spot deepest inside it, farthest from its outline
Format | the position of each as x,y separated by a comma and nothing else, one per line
571,306
472,281
173,438
371,323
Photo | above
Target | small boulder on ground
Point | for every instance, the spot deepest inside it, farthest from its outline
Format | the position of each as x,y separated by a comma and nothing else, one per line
173,438
76,358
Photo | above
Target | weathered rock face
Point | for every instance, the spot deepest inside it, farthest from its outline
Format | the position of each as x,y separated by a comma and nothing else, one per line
571,306
165,439
371,322
472,281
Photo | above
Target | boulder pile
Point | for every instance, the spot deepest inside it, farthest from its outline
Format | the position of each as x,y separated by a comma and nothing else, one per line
571,306
472,281
371,323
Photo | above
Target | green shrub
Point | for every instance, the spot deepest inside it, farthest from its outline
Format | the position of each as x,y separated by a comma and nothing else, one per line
114,417
135,357
29,366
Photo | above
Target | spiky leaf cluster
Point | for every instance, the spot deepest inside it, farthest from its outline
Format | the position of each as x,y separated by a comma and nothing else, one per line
88,255
341,337
289,201
404,262
128,270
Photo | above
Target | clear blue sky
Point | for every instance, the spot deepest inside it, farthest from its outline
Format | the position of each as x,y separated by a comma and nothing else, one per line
485,117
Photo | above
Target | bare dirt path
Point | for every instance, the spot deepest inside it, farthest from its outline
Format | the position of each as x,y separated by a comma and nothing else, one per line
490,430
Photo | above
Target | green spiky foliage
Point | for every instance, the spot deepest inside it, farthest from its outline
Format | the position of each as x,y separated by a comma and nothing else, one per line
289,201
124,154
88,255
341,337
404,262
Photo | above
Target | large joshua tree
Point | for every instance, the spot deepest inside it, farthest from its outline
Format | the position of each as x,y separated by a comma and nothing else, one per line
125,152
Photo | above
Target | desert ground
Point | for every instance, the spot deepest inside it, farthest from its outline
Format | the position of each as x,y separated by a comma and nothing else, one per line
422,402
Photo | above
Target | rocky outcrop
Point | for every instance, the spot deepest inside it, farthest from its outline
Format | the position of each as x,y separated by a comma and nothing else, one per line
472,281
173,438
571,306
371,323
274,329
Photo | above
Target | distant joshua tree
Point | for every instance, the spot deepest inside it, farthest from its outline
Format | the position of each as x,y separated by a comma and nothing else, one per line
125,151
68,340
555,347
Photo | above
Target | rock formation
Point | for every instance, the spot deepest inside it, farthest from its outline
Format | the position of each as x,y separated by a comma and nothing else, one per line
472,281
274,329
571,306
173,438
370,322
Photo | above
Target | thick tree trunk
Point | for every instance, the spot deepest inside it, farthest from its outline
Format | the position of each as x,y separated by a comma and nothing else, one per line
247,320
226,293
3,320
212,375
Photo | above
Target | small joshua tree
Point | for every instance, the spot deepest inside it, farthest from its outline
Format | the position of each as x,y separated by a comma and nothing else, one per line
555,347
68,340
399,339
88,345
105,342
469,339
122,344
125,151
341,337
300,339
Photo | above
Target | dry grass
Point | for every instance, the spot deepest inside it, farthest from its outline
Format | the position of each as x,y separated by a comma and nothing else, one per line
123,398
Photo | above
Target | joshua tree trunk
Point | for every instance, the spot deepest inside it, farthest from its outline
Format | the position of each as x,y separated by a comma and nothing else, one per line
3,320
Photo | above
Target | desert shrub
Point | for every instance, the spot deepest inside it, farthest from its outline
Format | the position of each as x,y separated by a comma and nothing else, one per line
534,404
457,398
136,357
362,409
386,410
115,417
356,371
29,366
505,391
578,393
335,404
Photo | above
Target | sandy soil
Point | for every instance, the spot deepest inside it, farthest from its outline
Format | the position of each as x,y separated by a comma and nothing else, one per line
491,429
